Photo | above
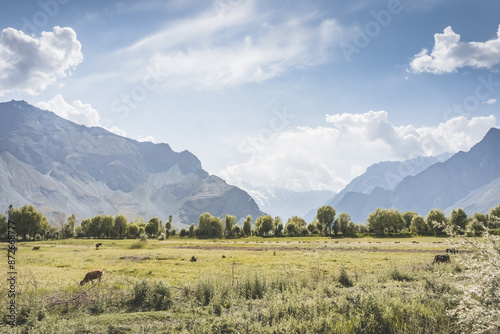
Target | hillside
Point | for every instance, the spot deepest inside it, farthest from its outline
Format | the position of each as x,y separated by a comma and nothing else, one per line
59,166
457,181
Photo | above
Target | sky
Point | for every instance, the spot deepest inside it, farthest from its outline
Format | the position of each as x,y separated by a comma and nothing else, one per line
303,95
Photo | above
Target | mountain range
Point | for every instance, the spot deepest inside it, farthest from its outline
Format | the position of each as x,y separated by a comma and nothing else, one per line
62,167
470,180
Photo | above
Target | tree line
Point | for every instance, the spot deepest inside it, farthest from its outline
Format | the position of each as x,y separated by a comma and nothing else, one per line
31,224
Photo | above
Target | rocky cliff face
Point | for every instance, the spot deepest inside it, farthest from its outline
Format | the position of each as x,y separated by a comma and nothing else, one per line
59,166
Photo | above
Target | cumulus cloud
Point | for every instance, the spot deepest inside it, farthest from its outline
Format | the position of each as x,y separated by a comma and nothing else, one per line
30,64
449,54
233,45
77,112
328,157
146,139
491,101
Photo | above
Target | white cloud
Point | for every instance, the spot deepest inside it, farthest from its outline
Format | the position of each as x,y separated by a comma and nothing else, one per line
147,138
449,54
30,64
78,112
233,45
491,101
306,158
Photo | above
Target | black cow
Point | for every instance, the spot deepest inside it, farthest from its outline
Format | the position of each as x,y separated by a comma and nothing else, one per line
441,259
97,245
452,251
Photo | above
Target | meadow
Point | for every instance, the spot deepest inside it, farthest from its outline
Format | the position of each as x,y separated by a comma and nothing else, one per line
246,285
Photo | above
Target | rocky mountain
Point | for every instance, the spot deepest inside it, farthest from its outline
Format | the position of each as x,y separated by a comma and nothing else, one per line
286,203
466,179
385,175
61,167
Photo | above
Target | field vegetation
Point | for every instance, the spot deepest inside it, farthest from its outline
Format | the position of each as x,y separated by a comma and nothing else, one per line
309,284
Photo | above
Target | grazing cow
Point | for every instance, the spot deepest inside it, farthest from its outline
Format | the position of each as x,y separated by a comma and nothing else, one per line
452,251
441,259
97,245
91,276
36,248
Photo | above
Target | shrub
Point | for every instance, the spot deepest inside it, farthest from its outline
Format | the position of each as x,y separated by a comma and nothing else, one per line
344,278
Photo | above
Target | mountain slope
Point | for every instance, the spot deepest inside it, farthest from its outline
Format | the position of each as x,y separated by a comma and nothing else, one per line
442,185
59,166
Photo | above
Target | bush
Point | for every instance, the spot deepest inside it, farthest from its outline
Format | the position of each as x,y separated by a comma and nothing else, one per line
154,295
344,279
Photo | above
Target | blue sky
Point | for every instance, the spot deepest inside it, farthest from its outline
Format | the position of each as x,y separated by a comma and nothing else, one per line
295,94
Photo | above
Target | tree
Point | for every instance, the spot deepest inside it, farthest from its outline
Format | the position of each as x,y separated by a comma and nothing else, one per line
85,225
107,226
191,230
277,226
295,225
247,226
3,224
121,226
68,230
133,230
79,232
494,217
211,226
313,227
168,225
408,216
153,226
28,221
417,224
475,228
458,220
183,232
436,221
378,221
95,226
396,221
230,222
343,221
326,216
264,224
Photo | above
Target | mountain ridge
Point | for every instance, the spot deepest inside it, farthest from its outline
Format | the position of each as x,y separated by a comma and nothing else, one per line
59,164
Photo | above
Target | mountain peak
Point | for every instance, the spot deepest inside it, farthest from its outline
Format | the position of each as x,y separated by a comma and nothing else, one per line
60,166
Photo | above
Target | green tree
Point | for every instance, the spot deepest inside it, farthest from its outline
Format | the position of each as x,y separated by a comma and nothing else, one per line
417,224
474,228
153,227
295,225
247,226
183,232
343,221
408,216
133,230
379,221
313,227
191,230
85,225
68,230
458,220
28,221
79,231
168,225
263,225
325,216
436,222
107,226
3,224
96,226
277,226
494,217
211,226
230,222
121,226
396,221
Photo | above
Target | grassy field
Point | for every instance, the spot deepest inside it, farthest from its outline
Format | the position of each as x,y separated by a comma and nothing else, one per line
303,284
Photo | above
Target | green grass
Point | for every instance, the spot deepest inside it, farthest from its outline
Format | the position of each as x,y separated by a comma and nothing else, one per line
246,285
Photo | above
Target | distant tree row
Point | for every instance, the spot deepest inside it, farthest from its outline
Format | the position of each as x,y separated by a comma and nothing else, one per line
31,224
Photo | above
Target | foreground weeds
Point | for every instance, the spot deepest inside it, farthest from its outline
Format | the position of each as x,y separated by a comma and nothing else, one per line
414,299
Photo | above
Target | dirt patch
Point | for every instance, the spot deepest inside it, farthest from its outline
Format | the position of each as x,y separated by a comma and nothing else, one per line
136,257
324,249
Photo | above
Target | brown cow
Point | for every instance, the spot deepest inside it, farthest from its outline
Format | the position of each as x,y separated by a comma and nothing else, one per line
91,276
441,259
